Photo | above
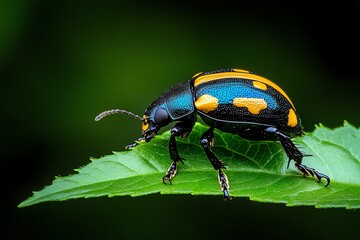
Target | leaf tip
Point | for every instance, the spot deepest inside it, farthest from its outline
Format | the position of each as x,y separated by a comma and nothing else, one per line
21,205
319,125
347,124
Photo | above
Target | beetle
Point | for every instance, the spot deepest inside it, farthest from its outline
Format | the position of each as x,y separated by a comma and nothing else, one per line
231,100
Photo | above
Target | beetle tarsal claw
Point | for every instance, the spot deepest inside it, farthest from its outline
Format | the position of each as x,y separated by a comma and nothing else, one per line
311,172
167,178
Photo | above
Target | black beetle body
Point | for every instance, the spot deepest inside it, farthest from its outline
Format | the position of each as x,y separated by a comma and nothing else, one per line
231,100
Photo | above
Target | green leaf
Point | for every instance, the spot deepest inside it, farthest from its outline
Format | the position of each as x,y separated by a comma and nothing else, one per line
255,169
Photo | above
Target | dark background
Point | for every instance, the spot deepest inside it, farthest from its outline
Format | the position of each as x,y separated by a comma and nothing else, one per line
63,62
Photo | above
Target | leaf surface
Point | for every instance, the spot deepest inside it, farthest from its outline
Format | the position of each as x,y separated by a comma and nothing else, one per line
255,169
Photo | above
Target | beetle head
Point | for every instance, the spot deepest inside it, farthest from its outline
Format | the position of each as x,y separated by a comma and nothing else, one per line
155,117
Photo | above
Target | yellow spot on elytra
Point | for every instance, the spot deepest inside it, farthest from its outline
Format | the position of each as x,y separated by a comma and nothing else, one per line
254,105
145,124
259,85
206,103
292,119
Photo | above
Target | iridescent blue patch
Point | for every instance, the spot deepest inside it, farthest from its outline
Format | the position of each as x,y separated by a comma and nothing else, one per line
226,92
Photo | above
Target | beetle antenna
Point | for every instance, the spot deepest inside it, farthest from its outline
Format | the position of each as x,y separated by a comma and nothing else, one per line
115,111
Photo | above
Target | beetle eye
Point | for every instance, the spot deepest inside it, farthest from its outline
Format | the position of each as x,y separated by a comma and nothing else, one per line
161,117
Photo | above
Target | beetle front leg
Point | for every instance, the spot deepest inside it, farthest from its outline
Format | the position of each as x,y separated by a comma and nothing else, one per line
207,141
132,145
294,154
181,129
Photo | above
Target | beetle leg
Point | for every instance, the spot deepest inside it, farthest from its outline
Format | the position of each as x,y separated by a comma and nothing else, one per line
294,154
207,140
180,129
132,145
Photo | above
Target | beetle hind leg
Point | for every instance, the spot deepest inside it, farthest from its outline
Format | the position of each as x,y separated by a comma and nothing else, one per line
294,154
206,141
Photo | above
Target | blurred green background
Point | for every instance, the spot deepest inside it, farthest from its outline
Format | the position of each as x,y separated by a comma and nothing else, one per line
63,62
